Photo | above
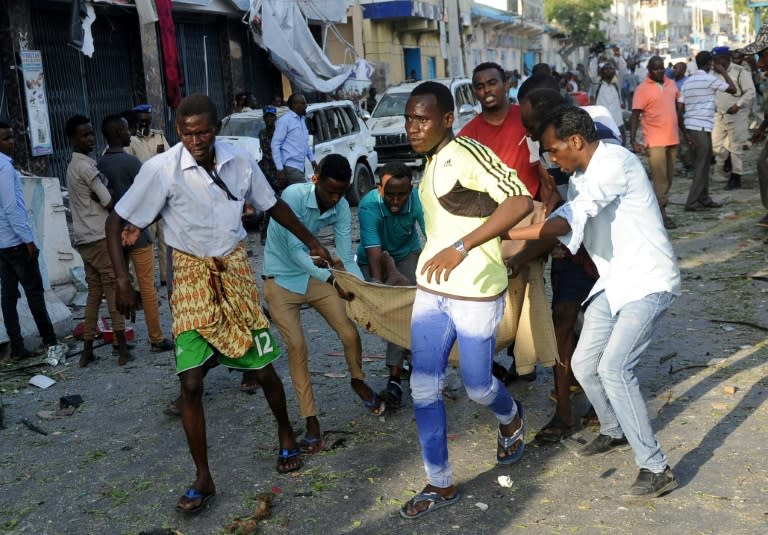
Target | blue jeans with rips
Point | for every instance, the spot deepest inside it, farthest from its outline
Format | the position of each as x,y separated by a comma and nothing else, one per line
604,363
436,323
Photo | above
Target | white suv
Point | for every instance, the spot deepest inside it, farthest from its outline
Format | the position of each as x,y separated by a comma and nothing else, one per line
334,127
387,121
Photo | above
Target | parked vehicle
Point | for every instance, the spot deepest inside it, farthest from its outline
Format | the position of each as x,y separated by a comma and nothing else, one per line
387,122
334,127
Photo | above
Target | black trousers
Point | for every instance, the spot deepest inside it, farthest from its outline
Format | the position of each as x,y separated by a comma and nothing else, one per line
16,267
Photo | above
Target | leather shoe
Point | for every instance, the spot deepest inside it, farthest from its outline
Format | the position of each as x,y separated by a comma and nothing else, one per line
711,204
734,182
601,444
162,345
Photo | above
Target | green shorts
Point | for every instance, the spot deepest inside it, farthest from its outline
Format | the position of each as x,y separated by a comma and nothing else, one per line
192,351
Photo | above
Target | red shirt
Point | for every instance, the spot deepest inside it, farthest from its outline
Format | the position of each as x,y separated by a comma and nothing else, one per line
508,141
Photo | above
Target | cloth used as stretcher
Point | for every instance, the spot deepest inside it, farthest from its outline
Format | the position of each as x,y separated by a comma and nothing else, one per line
386,310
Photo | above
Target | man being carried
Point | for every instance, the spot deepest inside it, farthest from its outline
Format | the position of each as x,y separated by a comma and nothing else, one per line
291,280
609,193
389,216
470,198
198,188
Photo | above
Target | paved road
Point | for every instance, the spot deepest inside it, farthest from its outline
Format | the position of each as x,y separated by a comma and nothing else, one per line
118,464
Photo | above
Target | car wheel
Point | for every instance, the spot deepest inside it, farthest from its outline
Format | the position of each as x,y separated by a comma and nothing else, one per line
362,183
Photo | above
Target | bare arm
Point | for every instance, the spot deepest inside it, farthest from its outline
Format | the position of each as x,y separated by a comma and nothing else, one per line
551,228
374,255
508,214
633,123
125,298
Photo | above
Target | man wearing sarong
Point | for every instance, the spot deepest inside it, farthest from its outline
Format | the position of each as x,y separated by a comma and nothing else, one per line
198,188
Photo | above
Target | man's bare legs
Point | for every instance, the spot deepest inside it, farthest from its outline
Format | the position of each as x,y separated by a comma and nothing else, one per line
193,420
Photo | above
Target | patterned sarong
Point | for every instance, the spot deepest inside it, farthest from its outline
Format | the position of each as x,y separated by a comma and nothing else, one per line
217,297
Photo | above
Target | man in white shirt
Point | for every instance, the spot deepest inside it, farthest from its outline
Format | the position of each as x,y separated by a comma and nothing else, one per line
613,210
696,108
730,132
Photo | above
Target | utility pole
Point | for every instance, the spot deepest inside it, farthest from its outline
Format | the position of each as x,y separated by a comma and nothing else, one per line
455,62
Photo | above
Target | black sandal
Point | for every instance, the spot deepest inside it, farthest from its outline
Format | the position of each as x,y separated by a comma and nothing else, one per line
555,431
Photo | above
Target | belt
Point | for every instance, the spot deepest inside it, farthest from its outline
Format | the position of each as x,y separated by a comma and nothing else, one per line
699,129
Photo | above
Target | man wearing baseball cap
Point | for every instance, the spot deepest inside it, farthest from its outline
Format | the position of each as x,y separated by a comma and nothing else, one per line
730,132
760,47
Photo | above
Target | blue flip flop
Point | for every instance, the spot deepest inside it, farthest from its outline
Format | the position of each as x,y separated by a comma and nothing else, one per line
286,455
435,500
506,443
191,495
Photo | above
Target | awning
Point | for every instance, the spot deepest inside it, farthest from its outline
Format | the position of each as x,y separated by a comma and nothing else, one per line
401,9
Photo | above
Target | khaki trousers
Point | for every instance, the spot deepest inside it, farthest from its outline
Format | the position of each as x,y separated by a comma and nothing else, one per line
101,281
729,135
144,262
661,160
155,231
285,310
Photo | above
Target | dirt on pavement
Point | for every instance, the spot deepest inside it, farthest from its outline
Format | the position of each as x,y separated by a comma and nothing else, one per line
118,464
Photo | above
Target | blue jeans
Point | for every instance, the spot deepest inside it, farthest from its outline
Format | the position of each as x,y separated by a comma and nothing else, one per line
436,323
604,363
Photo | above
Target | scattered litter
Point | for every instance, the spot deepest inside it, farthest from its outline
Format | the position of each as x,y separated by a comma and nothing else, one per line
730,389
41,381
302,494
505,481
728,328
334,375
32,427
720,406
668,356
727,215
715,361
482,506
249,524
74,400
59,413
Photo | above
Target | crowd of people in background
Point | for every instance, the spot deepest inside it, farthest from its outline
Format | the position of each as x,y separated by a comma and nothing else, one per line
563,145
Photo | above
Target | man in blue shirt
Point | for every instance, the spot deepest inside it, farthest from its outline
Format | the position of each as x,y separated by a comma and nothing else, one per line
389,248
290,143
291,279
18,258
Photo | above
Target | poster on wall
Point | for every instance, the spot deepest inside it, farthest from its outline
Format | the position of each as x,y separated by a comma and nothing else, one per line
37,104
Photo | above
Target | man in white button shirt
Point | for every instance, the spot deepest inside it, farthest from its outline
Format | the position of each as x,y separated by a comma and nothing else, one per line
612,209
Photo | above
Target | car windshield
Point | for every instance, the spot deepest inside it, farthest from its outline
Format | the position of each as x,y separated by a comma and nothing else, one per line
242,126
391,105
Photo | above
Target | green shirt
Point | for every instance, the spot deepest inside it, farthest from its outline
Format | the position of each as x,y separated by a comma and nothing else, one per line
394,233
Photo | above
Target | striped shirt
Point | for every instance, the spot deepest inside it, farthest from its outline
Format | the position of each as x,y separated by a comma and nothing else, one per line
461,187
698,95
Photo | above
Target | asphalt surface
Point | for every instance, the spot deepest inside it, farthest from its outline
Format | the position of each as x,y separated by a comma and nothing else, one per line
118,464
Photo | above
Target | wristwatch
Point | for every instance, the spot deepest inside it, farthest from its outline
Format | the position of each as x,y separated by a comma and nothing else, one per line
459,246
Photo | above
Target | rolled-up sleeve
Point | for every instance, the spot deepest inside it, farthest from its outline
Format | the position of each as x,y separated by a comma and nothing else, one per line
144,200
96,185
594,193
260,194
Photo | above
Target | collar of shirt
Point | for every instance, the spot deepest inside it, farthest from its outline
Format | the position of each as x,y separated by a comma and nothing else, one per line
5,158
